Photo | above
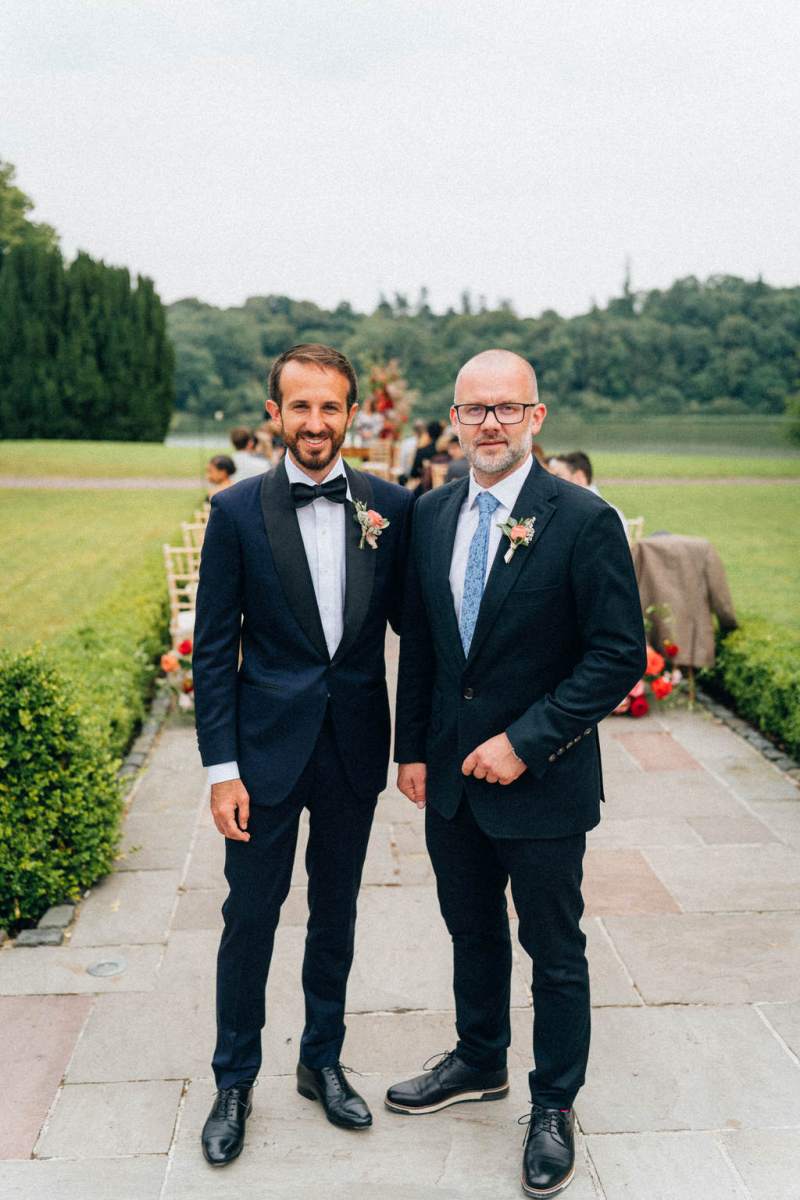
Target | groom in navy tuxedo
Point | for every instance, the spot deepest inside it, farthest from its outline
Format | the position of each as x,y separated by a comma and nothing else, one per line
522,630
302,567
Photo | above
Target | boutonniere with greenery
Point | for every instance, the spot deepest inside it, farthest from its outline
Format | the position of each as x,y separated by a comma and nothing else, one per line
519,531
372,525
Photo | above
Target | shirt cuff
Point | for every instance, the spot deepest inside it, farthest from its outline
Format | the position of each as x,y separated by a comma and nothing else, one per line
222,772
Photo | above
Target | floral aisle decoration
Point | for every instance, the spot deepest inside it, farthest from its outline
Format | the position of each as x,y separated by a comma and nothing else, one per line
390,396
662,679
177,667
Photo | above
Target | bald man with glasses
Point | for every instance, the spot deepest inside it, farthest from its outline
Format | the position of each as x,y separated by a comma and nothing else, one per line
522,630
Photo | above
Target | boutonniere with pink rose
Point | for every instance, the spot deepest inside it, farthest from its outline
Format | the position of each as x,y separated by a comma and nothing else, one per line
372,525
519,531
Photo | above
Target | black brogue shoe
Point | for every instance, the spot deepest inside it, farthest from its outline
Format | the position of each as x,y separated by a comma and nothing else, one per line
548,1157
449,1081
342,1103
223,1133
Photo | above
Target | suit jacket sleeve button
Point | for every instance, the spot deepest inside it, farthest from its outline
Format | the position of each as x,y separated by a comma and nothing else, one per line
551,758
587,731
468,693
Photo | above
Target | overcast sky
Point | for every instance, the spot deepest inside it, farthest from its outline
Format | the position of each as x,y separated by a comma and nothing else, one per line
331,150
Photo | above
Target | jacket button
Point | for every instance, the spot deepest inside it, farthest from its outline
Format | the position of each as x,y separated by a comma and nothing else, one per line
551,758
560,750
468,693
587,731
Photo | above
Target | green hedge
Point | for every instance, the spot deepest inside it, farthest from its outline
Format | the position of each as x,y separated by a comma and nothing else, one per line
59,797
68,711
758,669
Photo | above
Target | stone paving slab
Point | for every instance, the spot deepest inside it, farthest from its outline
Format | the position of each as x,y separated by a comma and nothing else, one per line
617,833
755,779
155,841
663,1166
670,794
734,831
782,817
127,907
49,1027
622,881
111,1120
142,1037
729,878
717,958
50,970
659,1069
785,1020
767,1161
469,1150
657,751
59,1179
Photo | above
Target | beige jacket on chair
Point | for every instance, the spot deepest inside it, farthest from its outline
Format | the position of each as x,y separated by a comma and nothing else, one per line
687,575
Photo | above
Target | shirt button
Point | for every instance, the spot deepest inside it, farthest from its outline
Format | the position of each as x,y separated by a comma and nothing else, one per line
468,693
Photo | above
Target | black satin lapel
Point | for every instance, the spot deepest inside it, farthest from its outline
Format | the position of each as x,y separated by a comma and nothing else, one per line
288,551
532,502
441,556
359,564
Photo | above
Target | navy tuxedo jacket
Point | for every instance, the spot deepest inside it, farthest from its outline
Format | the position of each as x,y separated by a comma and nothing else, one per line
255,585
558,643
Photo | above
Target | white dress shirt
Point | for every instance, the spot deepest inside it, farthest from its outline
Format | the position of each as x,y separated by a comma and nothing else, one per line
322,528
506,492
248,464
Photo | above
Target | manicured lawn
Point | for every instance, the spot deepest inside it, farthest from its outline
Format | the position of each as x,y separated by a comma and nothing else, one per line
756,530
114,460
64,552
690,466
107,460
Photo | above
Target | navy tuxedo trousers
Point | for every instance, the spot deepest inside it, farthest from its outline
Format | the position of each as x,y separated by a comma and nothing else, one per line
259,875
473,869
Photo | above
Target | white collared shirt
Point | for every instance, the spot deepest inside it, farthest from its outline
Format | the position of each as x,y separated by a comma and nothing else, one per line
322,528
506,492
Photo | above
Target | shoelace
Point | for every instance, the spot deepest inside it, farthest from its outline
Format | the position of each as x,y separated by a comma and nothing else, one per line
339,1071
439,1060
228,1100
544,1120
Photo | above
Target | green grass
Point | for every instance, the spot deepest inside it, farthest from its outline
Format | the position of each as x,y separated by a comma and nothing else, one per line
114,460
676,466
744,436
107,460
64,552
754,528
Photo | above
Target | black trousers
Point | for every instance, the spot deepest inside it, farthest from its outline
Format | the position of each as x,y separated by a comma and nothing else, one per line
472,872
259,875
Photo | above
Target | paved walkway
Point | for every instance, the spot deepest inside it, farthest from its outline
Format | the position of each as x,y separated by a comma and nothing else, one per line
692,922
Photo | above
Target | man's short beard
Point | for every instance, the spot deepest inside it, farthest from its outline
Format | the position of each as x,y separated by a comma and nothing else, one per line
314,462
496,466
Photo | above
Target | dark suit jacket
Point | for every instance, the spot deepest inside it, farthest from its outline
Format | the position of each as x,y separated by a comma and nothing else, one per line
558,643
255,584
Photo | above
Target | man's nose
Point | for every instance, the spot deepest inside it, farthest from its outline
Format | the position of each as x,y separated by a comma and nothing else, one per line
314,422
491,420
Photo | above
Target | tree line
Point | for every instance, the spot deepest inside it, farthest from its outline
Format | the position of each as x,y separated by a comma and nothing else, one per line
84,351
725,345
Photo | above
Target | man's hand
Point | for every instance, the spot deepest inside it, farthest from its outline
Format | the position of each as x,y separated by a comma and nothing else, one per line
228,799
411,781
494,761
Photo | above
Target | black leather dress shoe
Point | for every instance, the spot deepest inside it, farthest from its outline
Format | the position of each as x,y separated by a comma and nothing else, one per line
223,1132
342,1103
451,1081
548,1159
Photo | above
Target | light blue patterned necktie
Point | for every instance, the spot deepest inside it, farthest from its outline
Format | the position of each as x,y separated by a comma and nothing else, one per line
475,574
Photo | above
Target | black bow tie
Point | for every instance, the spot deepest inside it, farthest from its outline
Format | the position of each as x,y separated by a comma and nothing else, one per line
306,493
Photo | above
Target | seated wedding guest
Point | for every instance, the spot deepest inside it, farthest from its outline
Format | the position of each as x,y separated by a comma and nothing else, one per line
246,461
577,468
425,451
368,423
409,446
219,473
458,463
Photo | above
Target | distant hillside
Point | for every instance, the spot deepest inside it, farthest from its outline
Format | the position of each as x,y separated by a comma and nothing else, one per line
725,346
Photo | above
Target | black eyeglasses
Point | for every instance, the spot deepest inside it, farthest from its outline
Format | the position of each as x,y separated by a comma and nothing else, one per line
506,414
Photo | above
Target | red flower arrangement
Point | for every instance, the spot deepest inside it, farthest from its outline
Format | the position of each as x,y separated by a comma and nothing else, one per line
177,668
661,679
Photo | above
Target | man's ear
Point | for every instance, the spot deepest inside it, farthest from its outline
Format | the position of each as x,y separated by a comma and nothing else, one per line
351,415
274,412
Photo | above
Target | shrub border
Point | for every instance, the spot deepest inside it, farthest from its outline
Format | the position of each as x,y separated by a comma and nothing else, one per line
53,924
